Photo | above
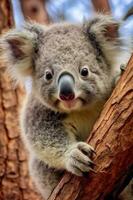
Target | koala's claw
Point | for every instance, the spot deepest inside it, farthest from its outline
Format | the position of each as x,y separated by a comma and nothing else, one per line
86,148
78,159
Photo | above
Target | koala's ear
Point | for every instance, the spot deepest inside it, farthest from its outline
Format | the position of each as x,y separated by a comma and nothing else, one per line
17,49
103,33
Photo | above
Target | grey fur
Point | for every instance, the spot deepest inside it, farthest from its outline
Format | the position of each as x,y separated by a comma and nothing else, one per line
55,134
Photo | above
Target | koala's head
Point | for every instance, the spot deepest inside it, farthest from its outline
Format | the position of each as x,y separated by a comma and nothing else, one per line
71,66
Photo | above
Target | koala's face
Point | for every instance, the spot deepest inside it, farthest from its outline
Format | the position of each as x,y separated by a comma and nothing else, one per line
67,73
70,64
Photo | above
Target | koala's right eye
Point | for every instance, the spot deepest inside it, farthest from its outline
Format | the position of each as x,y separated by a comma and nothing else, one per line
48,75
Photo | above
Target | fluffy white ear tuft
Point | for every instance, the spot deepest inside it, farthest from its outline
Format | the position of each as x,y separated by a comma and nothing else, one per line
17,50
103,33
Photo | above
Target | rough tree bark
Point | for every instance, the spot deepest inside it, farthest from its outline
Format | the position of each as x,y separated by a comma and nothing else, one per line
112,138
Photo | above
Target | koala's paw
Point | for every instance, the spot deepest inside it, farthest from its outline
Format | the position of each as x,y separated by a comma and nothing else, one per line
78,159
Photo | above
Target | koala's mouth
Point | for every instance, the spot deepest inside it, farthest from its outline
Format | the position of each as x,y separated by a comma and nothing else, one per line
70,105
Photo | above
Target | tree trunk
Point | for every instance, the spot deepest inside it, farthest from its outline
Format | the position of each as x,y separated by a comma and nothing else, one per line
34,10
112,138
101,6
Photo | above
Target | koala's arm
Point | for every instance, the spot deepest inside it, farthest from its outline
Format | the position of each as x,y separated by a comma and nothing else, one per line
47,138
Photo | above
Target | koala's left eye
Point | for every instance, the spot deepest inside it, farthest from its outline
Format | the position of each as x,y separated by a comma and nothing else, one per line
84,71
48,75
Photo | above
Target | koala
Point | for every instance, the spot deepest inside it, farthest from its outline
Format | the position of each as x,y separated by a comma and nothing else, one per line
73,72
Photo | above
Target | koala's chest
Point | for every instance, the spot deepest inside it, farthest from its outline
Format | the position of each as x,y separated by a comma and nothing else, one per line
80,123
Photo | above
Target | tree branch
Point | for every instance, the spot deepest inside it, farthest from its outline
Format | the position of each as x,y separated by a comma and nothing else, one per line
112,138
101,6
35,10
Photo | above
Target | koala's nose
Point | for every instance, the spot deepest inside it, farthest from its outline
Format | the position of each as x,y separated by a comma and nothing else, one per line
66,87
